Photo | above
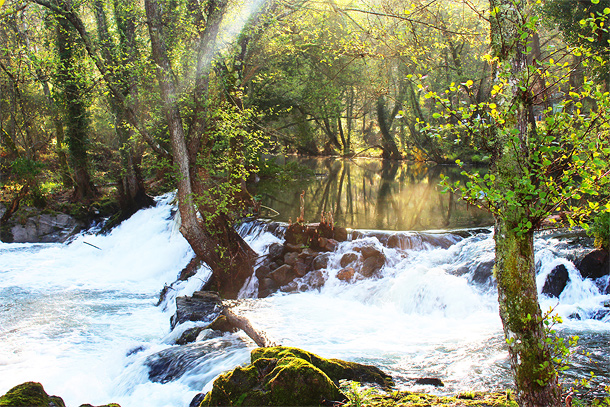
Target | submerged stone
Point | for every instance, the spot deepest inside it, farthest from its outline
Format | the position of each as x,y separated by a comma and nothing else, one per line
282,376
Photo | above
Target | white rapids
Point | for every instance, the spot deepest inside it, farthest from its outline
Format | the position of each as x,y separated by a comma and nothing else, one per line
82,320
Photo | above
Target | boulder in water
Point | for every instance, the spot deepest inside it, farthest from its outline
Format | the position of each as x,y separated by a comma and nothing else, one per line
430,381
290,258
346,274
348,258
556,281
283,275
171,363
288,376
203,306
483,273
32,226
275,251
372,265
594,265
30,394
321,261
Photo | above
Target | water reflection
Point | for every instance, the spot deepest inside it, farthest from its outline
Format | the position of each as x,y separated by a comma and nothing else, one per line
374,194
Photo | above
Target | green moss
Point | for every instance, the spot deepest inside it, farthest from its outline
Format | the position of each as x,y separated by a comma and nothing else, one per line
280,377
410,399
30,394
296,382
336,369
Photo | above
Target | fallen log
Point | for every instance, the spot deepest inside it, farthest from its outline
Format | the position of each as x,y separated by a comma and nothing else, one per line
242,323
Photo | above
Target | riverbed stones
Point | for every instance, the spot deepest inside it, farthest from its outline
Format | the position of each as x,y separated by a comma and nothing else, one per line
172,363
430,381
290,258
29,225
203,306
372,265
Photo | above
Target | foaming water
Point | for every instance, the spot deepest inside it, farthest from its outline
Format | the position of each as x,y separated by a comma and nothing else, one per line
82,320
71,313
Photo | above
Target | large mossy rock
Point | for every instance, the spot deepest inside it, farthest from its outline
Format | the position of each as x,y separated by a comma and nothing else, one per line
30,394
282,376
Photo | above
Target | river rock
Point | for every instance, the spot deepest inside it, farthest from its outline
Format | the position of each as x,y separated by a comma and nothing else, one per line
594,265
369,250
346,274
330,246
340,234
290,258
266,287
394,242
430,381
31,226
283,275
483,273
288,376
275,251
315,279
171,363
348,258
30,394
262,271
289,247
321,261
556,281
203,306
301,268
189,336
372,264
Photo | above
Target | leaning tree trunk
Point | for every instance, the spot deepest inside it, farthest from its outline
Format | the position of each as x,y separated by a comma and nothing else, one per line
215,242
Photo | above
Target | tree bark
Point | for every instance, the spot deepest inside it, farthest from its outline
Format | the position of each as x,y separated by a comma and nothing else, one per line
213,239
388,144
76,116
531,360
131,190
535,376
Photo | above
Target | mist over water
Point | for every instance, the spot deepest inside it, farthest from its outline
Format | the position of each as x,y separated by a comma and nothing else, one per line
83,321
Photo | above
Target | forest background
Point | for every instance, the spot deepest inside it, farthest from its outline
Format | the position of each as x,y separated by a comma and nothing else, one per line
113,101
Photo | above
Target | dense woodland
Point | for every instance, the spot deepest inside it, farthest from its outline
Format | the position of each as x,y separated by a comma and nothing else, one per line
122,99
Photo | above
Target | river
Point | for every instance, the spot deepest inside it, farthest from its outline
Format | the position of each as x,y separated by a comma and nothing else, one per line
82,320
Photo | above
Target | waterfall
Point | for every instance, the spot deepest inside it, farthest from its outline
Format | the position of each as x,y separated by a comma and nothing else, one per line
82,320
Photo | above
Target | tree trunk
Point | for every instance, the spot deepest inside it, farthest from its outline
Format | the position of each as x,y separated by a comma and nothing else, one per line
213,239
531,360
535,376
388,144
131,190
76,116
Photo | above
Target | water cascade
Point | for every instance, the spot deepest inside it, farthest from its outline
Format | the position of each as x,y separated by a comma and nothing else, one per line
82,319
